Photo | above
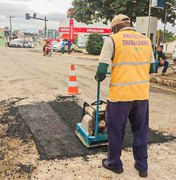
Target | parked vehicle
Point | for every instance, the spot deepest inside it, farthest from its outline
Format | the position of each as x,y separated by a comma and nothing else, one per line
57,47
16,43
20,43
28,45
54,42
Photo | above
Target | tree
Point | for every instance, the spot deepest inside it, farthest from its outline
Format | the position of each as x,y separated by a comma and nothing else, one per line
168,36
94,44
89,11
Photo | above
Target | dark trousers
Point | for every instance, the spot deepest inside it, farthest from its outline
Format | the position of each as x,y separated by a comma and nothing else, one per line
138,114
44,48
157,65
62,50
69,49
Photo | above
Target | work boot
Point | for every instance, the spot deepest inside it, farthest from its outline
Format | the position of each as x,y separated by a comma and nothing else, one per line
141,173
113,169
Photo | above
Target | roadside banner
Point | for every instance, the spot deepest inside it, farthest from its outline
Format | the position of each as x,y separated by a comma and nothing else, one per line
2,37
71,30
158,4
77,30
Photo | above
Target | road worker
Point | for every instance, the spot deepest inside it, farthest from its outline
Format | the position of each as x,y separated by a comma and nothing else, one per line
130,55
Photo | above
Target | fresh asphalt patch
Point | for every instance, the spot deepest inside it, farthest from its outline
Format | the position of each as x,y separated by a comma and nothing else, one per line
52,125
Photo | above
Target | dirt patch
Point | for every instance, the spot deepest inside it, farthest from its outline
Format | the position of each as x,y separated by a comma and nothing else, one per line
16,143
11,118
16,127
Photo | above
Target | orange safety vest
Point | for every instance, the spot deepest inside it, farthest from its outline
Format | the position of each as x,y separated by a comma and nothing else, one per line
130,66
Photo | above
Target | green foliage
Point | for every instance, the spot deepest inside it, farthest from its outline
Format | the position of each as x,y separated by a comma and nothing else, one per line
70,12
89,11
94,44
168,36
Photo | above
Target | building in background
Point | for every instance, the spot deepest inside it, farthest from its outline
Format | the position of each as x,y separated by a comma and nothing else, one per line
30,37
82,31
142,27
170,47
52,34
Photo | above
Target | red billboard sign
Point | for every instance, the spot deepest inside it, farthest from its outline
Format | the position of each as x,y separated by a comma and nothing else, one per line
85,30
71,30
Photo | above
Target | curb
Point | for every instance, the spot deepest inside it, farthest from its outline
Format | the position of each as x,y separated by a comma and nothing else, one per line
162,81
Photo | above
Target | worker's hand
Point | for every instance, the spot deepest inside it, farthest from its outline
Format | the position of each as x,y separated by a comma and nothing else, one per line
100,77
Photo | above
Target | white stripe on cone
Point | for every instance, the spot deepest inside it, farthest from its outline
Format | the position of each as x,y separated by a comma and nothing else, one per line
72,73
72,84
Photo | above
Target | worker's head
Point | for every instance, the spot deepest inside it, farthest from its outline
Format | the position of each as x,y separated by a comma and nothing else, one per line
120,21
160,48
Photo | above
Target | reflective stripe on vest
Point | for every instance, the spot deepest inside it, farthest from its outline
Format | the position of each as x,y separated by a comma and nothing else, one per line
130,63
131,83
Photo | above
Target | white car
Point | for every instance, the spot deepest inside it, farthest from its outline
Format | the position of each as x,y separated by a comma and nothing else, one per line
57,47
28,45
16,43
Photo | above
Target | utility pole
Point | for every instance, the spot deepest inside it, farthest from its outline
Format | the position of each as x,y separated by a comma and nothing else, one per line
45,26
149,18
10,18
165,21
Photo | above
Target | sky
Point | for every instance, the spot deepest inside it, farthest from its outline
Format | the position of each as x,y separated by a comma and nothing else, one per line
54,10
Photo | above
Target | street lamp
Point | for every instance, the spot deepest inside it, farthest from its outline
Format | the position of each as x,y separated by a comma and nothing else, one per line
149,18
10,18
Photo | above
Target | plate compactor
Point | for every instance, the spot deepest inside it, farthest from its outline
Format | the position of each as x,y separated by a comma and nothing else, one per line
92,129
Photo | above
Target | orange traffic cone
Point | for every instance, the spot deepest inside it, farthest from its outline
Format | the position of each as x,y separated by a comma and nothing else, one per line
72,85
